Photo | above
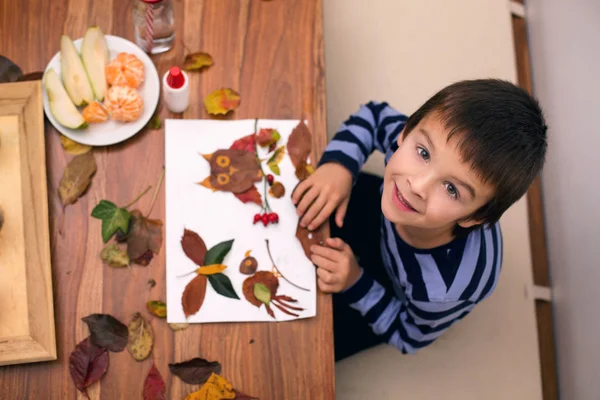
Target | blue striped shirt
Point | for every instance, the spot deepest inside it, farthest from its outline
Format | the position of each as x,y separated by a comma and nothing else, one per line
433,288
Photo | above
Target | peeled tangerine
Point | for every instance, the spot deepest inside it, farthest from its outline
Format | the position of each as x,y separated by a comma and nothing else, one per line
123,103
95,112
125,70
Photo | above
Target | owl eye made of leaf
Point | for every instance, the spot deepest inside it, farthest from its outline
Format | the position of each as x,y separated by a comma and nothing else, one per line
223,179
223,161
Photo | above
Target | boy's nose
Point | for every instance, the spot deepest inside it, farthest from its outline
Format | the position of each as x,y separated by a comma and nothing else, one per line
420,184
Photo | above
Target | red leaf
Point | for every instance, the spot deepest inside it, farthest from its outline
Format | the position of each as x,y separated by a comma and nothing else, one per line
250,196
154,387
299,144
144,238
247,143
193,247
193,295
87,364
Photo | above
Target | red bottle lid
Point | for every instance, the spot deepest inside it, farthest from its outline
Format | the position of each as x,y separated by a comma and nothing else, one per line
151,1
175,79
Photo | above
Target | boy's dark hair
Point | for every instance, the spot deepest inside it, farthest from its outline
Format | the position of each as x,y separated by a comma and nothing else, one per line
502,133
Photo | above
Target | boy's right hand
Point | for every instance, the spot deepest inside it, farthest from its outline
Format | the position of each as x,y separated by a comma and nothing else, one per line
316,197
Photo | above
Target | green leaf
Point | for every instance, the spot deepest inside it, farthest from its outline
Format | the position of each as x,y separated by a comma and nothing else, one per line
114,256
262,293
113,219
217,253
104,209
275,159
222,285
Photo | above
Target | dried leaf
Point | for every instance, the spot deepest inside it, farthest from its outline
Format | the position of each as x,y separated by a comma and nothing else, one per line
262,293
32,76
141,337
308,238
195,371
197,61
193,295
9,71
151,283
299,144
222,285
157,307
248,265
247,143
206,184
215,388
211,269
267,137
221,101
277,190
1,218
72,147
107,332
250,196
154,386
304,170
217,253
87,364
179,327
267,278
193,247
155,122
113,219
273,162
144,239
233,170
241,396
76,178
114,256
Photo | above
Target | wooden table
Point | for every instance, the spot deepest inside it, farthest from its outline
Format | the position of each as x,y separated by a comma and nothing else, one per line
272,53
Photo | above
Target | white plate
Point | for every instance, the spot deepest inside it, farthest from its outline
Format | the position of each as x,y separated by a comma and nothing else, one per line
111,132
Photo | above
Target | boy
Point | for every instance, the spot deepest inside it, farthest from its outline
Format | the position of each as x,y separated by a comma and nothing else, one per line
414,252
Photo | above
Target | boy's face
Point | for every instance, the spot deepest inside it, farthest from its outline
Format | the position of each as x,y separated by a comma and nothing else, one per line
428,185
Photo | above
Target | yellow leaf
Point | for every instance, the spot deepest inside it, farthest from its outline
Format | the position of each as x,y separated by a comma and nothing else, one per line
206,184
141,338
211,269
197,61
247,253
73,147
221,101
215,388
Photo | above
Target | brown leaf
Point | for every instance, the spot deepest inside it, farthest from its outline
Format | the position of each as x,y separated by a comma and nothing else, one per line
144,238
299,144
179,327
277,190
195,371
267,278
308,238
304,170
221,101
197,61
87,364
250,196
141,337
76,178
234,170
193,295
215,388
32,76
248,265
107,332
157,307
72,147
247,143
193,247
154,386
241,396
1,218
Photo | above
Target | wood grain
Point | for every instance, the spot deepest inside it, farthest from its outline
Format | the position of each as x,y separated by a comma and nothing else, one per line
272,53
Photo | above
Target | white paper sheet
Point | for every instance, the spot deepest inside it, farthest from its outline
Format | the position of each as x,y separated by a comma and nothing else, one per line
220,216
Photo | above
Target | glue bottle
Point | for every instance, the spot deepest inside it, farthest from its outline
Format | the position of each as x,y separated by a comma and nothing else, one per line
176,90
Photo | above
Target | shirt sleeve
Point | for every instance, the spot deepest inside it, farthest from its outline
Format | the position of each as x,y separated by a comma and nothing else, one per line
408,326
375,126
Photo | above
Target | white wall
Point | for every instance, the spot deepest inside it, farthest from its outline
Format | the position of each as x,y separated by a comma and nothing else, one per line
565,48
403,52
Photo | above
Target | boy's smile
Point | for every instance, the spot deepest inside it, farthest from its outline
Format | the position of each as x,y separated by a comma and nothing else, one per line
428,187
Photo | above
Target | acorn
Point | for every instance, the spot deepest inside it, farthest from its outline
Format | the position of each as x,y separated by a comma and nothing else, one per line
248,265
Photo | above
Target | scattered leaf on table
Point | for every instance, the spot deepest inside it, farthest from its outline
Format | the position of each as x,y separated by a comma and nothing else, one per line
155,122
197,61
114,256
273,162
250,196
242,396
76,178
113,219
107,332
221,101
87,364
151,283
9,71
247,143
222,285
144,238
277,190
308,238
193,295
72,147
299,144
195,371
154,386
211,269
215,388
32,76
193,246
262,293
175,327
267,137
304,170
157,307
217,253
141,337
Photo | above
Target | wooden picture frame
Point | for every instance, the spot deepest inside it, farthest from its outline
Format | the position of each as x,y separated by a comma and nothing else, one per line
27,331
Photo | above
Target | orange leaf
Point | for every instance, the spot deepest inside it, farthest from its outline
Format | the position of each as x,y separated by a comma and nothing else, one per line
215,388
247,253
250,196
211,269
197,61
206,183
193,295
221,101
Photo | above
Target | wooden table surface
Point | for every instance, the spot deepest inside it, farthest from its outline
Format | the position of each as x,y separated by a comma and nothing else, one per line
272,53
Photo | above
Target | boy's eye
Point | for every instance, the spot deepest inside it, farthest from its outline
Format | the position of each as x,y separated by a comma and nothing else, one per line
424,154
452,191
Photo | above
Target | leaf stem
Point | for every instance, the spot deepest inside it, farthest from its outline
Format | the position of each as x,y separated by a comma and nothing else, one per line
162,175
279,272
137,198
266,207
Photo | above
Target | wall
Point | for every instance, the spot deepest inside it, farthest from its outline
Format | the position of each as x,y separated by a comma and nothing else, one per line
565,50
403,52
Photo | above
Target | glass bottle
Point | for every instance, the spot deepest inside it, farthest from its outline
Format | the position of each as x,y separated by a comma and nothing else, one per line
154,25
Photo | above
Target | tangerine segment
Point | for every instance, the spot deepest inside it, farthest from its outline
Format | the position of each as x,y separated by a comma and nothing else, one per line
95,112
123,103
125,70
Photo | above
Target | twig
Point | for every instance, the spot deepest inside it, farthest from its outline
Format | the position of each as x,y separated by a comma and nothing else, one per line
186,274
162,175
284,310
137,198
279,272
275,300
267,207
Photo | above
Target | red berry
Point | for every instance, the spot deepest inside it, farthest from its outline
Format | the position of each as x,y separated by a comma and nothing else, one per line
270,179
276,217
265,219
273,217
256,218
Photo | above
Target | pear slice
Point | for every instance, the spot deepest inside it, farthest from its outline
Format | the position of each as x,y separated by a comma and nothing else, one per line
61,106
95,56
73,74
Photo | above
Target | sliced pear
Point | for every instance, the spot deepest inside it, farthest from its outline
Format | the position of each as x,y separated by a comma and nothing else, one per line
61,105
73,74
95,56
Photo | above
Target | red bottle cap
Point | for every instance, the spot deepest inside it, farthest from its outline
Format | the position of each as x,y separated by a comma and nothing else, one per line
151,1
175,79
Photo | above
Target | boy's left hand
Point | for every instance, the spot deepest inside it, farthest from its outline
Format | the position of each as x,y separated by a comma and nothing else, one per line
337,267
